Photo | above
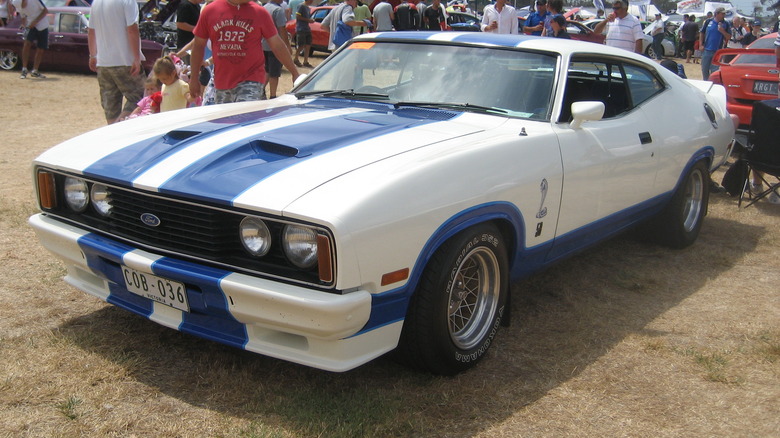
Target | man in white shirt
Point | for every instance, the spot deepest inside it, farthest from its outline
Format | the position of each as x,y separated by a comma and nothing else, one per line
383,16
345,13
623,29
115,54
500,18
36,22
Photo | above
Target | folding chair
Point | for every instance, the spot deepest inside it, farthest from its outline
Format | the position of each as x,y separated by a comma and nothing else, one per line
763,149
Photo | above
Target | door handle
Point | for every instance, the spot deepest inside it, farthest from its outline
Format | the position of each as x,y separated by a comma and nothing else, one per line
645,137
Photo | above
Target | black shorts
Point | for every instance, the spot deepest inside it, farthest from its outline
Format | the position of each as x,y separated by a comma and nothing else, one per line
39,37
688,45
272,65
303,39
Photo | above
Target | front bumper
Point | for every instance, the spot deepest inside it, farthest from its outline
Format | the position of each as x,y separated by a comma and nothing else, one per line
285,321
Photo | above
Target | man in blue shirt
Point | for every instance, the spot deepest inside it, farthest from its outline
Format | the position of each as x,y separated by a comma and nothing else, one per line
712,40
535,21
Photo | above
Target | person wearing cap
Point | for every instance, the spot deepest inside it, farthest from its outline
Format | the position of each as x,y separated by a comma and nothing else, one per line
535,21
657,32
754,33
711,40
623,29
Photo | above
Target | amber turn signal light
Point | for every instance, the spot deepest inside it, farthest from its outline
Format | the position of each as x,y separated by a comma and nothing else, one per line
46,191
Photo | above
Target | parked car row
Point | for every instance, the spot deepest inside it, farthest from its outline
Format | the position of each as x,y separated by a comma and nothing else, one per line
68,48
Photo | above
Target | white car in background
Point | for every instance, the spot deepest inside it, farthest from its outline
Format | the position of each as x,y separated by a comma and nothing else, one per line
387,202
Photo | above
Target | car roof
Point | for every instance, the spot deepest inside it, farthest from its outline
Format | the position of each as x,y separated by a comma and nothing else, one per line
563,47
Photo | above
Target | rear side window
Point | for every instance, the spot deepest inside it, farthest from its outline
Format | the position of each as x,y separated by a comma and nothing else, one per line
642,83
621,86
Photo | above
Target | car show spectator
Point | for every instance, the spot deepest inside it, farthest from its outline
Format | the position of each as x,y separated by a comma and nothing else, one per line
500,18
115,54
657,31
239,73
559,27
434,17
303,33
535,21
36,25
187,15
623,29
689,33
273,67
737,33
383,16
342,15
150,103
406,17
555,8
362,13
175,92
711,40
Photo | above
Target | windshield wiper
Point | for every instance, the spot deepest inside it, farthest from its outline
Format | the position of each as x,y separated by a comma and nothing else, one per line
346,93
452,105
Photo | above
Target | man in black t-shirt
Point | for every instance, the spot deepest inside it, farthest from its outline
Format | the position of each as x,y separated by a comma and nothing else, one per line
186,18
433,16
406,17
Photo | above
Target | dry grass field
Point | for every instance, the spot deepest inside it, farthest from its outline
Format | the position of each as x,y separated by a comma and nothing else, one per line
627,339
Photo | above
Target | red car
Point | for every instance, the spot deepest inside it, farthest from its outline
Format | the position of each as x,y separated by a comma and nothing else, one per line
749,75
319,38
68,50
577,31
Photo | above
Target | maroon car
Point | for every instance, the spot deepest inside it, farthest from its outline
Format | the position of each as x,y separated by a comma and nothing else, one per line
68,49
748,75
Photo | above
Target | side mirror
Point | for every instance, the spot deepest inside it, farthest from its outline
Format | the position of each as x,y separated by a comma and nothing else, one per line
300,79
586,111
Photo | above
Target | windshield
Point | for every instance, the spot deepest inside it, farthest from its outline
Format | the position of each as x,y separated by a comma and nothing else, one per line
509,82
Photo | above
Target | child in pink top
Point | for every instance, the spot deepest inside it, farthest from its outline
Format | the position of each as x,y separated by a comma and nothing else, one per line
146,106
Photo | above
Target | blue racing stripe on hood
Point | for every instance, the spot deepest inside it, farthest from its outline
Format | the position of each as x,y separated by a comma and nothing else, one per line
124,165
224,174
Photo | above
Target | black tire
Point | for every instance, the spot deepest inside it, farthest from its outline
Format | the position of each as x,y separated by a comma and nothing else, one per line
679,224
9,60
456,311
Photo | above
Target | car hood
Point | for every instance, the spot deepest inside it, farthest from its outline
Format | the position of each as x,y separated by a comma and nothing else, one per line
258,155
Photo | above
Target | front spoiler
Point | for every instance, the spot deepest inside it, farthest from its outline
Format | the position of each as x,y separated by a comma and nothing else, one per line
285,321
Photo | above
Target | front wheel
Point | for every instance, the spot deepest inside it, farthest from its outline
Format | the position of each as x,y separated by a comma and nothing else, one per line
8,59
681,220
456,311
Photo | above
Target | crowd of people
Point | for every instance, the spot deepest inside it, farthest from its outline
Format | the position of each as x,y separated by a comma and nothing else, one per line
248,58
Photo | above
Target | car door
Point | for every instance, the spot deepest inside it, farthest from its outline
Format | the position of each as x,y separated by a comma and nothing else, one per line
610,164
68,47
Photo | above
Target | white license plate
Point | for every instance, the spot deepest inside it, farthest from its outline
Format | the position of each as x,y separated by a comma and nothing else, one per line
164,291
765,87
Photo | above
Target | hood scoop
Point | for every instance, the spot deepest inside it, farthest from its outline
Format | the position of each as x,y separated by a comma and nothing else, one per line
263,148
174,137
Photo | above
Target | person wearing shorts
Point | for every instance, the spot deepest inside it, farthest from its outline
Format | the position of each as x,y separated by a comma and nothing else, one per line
36,23
115,55
303,33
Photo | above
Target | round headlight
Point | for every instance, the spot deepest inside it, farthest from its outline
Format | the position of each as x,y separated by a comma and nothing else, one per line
300,246
100,199
255,236
76,193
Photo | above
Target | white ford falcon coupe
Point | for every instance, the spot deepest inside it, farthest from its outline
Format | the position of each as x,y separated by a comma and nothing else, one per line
389,201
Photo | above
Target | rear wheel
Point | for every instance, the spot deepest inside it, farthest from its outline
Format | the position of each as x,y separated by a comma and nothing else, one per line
456,311
8,59
679,224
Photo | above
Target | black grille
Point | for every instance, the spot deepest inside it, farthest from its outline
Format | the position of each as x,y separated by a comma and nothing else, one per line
183,227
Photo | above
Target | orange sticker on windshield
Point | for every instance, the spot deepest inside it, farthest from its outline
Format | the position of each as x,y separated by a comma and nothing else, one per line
361,45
